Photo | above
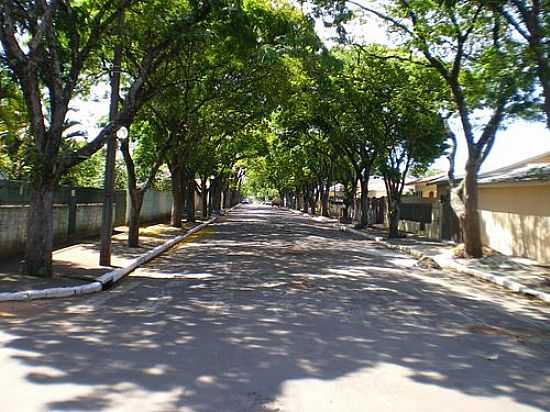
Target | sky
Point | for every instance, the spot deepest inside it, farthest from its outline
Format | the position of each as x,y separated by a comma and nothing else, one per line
519,140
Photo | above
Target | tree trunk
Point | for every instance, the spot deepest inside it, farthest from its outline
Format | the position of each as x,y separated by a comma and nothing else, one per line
191,199
216,195
136,201
305,206
204,198
394,215
312,205
471,223
178,198
364,202
212,199
353,215
227,198
325,211
110,159
39,242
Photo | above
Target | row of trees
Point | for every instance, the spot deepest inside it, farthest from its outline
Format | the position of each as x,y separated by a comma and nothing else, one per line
491,59
208,87
492,56
191,81
360,113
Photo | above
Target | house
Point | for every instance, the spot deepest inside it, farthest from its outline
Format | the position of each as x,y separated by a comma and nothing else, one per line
377,189
514,206
427,187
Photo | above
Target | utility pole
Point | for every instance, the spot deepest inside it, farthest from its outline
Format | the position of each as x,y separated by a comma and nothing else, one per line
109,182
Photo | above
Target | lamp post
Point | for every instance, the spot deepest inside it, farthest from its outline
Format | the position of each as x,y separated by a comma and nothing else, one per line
110,158
108,190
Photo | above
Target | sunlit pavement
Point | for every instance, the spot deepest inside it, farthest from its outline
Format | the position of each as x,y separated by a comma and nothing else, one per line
269,311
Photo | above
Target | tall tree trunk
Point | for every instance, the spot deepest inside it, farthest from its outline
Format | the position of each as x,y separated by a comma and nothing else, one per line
191,199
227,198
312,201
325,211
136,202
471,223
305,206
216,192
110,158
204,197
394,215
364,202
39,242
178,197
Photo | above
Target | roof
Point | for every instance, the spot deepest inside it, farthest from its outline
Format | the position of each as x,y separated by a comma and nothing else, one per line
543,158
430,180
529,173
532,169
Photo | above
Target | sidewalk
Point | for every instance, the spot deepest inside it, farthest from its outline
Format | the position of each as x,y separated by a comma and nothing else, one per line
79,264
517,274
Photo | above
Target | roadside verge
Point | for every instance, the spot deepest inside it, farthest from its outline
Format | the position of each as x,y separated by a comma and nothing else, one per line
106,280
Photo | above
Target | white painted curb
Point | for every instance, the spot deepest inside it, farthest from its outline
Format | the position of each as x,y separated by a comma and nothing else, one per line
108,279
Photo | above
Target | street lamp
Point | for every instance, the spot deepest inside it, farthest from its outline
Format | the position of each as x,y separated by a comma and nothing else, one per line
122,133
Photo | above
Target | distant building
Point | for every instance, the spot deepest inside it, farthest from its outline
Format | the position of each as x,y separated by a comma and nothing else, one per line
427,187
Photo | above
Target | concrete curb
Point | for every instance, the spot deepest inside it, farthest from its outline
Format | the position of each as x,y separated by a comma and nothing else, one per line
108,279
449,264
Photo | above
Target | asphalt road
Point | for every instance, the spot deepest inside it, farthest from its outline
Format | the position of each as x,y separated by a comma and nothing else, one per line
270,311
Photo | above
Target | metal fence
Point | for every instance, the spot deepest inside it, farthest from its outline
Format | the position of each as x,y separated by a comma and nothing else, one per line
417,210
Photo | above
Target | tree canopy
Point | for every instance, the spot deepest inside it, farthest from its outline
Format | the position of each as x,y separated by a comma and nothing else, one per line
219,91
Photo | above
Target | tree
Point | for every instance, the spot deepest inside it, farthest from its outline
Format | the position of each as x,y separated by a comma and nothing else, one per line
14,130
359,124
415,136
531,20
253,75
412,132
478,65
48,46
138,183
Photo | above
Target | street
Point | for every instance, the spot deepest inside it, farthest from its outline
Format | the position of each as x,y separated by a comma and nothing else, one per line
267,310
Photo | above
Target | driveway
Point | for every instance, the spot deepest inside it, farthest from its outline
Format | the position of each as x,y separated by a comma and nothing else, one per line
270,311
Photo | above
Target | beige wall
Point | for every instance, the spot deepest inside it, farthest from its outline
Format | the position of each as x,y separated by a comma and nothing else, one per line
516,219
524,199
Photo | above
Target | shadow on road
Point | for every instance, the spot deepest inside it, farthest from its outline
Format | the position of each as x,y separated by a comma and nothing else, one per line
243,317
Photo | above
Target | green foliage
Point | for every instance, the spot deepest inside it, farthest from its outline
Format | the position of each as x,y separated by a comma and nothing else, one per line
14,130
88,173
